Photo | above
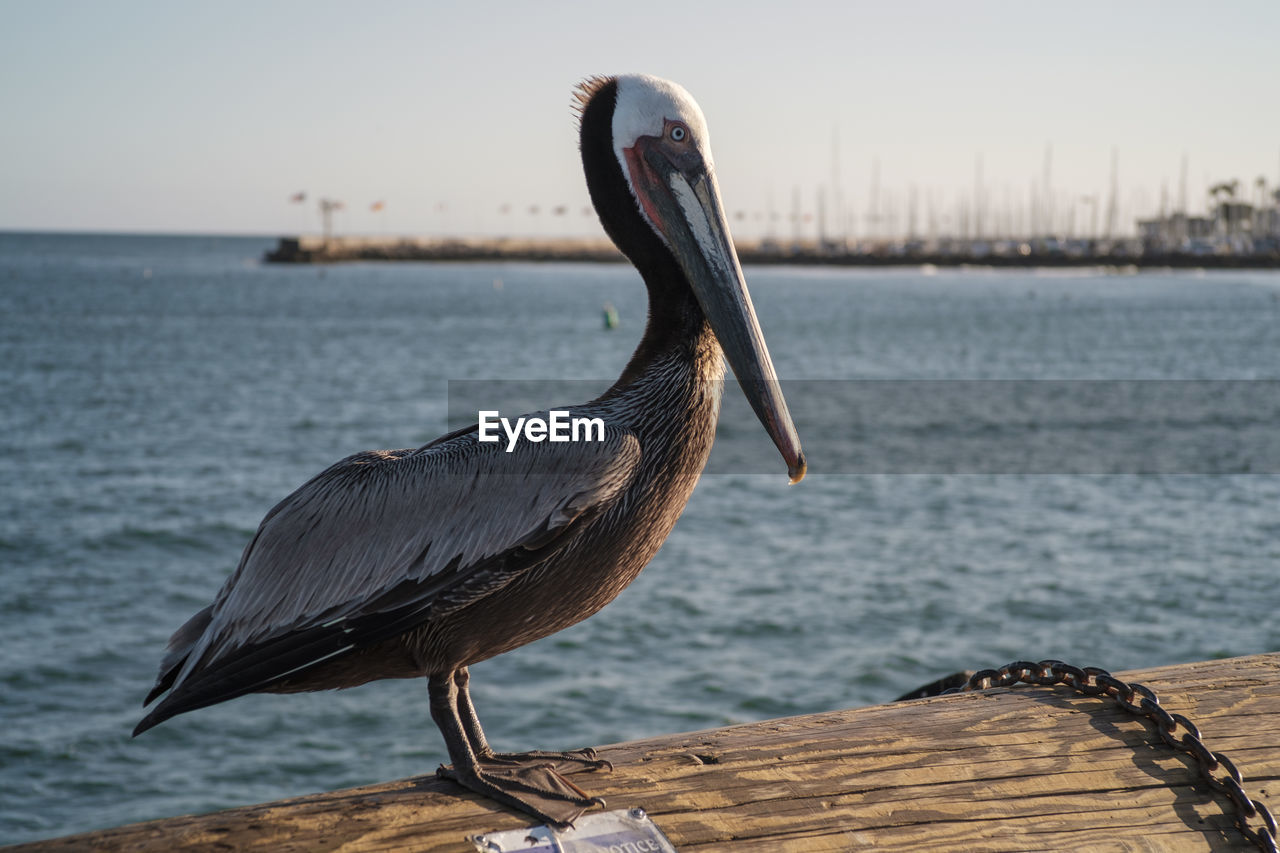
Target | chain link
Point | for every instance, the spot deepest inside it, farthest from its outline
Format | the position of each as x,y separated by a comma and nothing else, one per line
1252,817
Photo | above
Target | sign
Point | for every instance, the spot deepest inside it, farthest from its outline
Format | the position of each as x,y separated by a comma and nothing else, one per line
622,831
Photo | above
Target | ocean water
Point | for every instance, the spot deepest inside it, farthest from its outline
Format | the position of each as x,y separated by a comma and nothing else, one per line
159,394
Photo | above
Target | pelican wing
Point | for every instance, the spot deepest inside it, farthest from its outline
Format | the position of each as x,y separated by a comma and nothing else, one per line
377,544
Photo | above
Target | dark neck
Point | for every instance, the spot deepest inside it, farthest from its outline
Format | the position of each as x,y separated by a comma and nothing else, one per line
676,332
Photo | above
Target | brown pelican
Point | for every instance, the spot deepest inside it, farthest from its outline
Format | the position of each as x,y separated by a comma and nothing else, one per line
406,563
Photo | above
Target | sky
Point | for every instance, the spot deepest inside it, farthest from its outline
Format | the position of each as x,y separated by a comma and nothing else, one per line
135,116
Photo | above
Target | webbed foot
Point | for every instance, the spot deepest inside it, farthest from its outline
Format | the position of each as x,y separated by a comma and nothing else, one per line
586,758
534,788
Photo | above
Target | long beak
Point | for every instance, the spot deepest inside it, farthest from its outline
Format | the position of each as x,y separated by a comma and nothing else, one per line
699,238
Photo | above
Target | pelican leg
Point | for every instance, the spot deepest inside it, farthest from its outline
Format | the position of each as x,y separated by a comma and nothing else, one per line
475,736
467,713
535,789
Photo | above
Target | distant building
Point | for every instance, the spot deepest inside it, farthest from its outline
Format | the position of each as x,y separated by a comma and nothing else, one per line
1175,233
1234,227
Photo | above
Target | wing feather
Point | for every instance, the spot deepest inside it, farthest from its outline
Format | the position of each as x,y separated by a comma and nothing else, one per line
386,532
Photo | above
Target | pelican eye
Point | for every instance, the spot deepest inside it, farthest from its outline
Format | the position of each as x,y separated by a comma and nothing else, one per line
678,133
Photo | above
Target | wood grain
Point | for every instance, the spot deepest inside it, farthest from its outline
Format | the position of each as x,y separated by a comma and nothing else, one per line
1004,770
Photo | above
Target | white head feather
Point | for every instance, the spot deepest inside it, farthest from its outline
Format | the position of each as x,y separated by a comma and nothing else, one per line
644,106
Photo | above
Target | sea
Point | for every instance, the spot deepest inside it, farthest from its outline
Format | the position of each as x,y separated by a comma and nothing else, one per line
1003,465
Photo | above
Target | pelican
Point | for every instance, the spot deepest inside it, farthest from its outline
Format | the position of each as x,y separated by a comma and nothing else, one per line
422,562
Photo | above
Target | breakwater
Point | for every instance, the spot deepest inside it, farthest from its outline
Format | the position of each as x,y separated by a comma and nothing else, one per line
318,250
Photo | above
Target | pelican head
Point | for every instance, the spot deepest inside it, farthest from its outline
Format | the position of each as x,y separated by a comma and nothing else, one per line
663,150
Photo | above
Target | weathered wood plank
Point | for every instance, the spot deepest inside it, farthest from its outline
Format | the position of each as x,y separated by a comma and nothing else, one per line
1017,769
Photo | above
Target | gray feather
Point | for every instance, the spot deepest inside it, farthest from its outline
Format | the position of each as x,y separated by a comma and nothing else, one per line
378,519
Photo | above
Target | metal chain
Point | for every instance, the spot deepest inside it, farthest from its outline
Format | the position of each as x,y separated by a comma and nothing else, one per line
1252,817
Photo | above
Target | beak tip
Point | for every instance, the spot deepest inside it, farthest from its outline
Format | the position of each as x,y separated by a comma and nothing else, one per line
797,471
